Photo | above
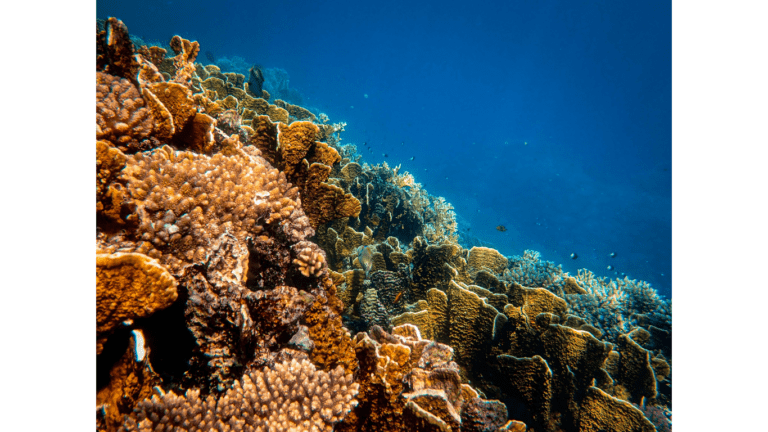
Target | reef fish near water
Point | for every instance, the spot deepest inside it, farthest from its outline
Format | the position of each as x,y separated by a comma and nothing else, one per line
365,256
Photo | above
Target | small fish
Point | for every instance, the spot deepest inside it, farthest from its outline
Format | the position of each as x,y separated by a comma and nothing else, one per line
610,267
574,256
612,255
397,297
412,157
501,228
385,155
365,256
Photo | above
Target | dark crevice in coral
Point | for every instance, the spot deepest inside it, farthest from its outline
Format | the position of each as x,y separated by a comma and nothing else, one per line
113,350
170,342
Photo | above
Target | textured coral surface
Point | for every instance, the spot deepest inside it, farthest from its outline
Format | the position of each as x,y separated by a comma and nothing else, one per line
253,273
290,396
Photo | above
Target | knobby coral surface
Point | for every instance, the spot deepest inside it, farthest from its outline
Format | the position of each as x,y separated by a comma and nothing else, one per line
290,396
121,114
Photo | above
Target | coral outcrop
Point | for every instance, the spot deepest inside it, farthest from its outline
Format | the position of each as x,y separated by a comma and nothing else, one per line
240,244
203,254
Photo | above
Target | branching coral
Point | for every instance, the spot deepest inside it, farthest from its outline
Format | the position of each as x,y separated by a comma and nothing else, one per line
529,270
615,306
290,396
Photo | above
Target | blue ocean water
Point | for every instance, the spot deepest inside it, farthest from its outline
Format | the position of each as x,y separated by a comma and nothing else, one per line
550,118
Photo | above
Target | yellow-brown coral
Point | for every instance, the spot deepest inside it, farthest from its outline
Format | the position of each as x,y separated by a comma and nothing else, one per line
409,383
177,100
486,258
113,207
128,286
307,164
185,200
288,397
186,53
121,115
310,259
599,411
130,380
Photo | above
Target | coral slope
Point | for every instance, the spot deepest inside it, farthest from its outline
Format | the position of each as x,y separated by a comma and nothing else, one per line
240,245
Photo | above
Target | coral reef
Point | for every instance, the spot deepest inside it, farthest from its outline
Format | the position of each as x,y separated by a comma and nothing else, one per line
239,244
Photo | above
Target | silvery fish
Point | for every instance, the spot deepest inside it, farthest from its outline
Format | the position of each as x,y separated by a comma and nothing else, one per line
365,256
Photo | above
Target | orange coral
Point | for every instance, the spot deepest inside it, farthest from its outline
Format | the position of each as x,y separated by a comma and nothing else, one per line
186,53
129,286
113,207
600,411
486,258
290,396
310,259
186,199
409,383
307,164
198,134
296,111
635,372
115,51
131,380
333,345
177,99
121,115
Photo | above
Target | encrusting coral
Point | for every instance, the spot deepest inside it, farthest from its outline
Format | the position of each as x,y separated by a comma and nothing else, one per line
129,286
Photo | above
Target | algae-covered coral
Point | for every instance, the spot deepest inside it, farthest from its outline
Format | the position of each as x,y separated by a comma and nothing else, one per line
253,273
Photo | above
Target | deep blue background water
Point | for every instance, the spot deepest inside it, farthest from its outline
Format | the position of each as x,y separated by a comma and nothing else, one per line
552,118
